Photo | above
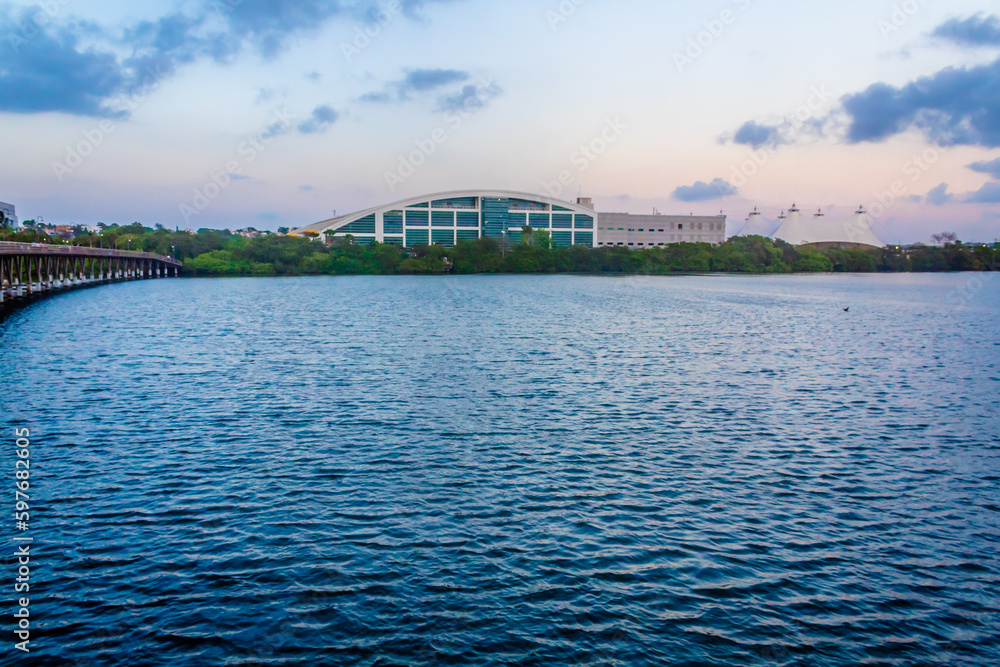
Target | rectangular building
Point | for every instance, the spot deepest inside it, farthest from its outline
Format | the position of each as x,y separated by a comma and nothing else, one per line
9,214
640,232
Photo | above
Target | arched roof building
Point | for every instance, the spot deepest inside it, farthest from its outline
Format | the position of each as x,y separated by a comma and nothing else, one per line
449,217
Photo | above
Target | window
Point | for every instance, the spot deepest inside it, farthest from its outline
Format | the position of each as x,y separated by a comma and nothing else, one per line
631,244
642,230
621,229
462,202
660,230
680,226
631,230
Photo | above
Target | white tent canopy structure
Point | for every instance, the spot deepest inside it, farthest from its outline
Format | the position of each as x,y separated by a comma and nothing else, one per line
817,229
758,225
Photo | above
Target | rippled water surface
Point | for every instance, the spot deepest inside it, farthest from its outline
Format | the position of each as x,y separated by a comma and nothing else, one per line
513,471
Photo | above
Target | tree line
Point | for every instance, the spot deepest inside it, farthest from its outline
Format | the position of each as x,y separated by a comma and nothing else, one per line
210,252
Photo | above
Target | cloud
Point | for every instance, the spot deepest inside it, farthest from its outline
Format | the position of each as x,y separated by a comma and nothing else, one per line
415,81
978,30
756,135
376,97
76,67
171,41
939,196
49,70
422,80
988,194
469,99
702,191
956,106
322,117
991,168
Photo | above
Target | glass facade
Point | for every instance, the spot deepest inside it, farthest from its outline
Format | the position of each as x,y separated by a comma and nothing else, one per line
417,219
442,219
526,205
466,219
417,237
457,202
562,221
539,220
562,239
365,225
445,237
495,211
392,222
448,220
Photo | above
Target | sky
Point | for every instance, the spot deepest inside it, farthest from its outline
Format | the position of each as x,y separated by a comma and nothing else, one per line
263,113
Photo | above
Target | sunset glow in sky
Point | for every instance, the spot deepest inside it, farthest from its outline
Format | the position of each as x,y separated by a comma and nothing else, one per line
236,113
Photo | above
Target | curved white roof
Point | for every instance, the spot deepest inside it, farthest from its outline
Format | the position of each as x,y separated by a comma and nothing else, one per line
334,223
758,225
800,230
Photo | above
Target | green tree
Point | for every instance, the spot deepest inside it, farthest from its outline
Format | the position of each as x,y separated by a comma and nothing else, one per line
812,261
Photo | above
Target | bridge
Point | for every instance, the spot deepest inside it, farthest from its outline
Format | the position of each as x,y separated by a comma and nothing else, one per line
32,269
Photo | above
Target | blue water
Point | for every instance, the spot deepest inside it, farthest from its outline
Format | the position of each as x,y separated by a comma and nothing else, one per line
512,471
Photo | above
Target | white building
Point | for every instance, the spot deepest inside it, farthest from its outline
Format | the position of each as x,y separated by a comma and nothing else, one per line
818,230
815,230
449,217
758,225
641,232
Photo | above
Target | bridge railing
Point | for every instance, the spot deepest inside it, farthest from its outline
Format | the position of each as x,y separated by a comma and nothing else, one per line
16,248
